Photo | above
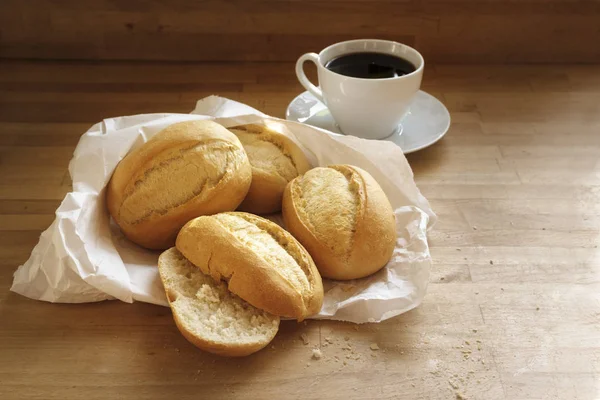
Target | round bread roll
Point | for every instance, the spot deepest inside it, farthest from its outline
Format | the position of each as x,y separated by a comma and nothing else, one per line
261,262
275,161
343,218
186,170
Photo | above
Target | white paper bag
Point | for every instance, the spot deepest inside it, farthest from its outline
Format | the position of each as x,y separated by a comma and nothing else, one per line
83,257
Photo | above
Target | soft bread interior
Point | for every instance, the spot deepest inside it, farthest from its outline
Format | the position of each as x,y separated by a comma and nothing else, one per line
217,319
328,201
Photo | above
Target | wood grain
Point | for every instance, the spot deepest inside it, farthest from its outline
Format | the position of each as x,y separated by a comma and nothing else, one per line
446,31
513,307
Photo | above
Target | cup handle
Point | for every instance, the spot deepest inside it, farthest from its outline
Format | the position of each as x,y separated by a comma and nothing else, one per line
314,57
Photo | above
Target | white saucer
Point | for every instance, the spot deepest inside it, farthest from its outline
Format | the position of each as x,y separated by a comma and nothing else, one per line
426,121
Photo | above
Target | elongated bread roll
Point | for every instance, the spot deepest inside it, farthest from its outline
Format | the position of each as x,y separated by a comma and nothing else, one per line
262,263
208,315
275,161
343,218
186,170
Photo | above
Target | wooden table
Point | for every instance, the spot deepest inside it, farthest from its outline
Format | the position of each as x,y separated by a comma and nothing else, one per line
513,308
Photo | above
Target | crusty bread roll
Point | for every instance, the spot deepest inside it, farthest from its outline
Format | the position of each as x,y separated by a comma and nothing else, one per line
208,315
262,263
343,218
275,161
188,169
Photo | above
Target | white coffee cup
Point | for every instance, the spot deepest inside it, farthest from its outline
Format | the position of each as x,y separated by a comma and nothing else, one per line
367,108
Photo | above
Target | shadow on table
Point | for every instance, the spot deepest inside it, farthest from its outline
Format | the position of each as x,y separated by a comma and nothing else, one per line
430,160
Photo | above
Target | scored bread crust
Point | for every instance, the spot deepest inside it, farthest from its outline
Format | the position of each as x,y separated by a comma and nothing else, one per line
198,161
268,181
224,347
252,270
371,244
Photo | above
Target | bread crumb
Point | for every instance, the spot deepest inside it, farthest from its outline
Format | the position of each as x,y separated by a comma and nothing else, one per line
355,327
467,342
328,340
316,354
460,396
373,355
304,339
474,330
454,385
345,363
346,338
374,346
347,347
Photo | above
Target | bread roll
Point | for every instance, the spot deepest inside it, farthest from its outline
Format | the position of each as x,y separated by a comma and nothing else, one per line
262,263
343,218
275,161
188,169
208,315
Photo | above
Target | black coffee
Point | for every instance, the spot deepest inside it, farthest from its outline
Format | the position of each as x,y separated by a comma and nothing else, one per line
370,65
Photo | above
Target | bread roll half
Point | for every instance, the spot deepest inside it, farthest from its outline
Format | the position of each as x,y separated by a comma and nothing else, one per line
275,161
208,315
262,263
186,170
343,218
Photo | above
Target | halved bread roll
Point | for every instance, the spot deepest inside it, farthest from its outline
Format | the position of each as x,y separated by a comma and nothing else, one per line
262,263
186,170
343,218
275,161
208,315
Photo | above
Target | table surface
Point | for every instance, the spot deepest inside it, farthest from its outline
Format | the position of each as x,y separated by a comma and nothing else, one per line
513,307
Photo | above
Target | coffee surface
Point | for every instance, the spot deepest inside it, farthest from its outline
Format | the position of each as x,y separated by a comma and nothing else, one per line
368,65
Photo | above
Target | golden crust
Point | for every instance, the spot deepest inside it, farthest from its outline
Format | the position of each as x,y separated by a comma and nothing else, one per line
369,223
262,263
275,160
188,169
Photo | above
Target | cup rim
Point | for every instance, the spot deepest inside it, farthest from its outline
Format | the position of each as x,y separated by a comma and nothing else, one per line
416,71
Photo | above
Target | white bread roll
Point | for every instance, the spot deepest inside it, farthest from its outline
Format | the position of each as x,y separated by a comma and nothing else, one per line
208,315
186,170
262,263
275,161
343,218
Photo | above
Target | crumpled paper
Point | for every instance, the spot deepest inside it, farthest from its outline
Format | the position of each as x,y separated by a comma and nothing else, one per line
83,257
